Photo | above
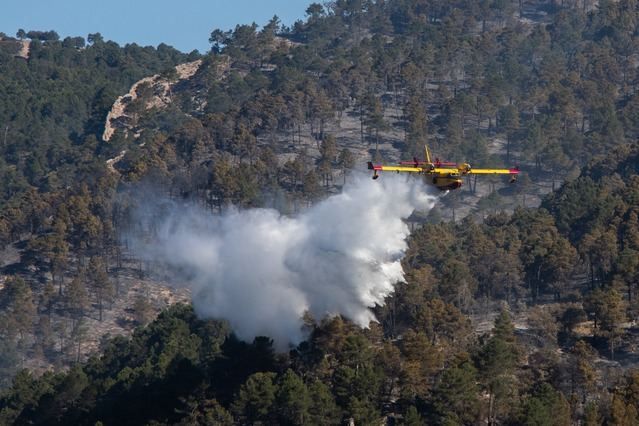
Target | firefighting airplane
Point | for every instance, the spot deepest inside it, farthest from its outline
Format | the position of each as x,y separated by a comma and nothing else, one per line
443,175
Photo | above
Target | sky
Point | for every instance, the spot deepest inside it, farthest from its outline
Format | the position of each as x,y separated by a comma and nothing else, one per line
185,25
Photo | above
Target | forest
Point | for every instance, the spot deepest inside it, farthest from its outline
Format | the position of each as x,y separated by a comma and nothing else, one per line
511,313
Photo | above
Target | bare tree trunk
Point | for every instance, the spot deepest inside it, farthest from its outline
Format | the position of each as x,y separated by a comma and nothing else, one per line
361,123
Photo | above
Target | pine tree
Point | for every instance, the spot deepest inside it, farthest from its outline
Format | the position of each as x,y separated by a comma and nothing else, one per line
412,417
546,407
456,395
76,297
611,317
256,398
346,162
103,288
292,400
497,361
311,185
20,314
142,309
322,409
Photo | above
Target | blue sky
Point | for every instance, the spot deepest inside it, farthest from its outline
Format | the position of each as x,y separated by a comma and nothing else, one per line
185,25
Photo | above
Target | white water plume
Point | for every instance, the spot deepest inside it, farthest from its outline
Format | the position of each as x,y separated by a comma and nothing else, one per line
261,271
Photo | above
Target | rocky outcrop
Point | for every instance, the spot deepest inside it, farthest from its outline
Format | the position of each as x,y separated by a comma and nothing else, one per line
25,47
20,47
161,89
110,163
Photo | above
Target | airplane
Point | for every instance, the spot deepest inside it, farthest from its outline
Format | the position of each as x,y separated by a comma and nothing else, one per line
443,175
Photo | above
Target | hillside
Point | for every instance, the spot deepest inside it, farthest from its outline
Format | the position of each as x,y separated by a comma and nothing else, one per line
430,358
511,314
53,108
395,85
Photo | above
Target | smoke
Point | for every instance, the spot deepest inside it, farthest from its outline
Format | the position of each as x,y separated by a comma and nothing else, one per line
262,271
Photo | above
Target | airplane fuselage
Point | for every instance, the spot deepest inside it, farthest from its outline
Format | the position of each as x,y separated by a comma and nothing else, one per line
445,183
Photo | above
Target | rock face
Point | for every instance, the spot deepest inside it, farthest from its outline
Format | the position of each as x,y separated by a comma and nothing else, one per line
22,47
188,70
161,87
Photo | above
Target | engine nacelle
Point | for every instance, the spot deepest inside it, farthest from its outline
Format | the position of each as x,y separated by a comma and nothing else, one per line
464,168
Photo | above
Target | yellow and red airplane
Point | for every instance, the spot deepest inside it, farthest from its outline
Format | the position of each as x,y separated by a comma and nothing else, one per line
443,175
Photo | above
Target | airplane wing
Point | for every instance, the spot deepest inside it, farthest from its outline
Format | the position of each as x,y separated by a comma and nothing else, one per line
381,168
493,172
437,170
442,171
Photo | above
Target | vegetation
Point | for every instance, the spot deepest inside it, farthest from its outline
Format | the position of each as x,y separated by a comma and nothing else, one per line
558,283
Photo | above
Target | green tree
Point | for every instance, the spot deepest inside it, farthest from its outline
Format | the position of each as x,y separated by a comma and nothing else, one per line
20,311
256,398
625,399
206,412
600,249
103,289
362,411
622,413
417,131
322,409
76,297
412,417
375,118
78,336
311,185
455,397
292,400
547,406
95,38
143,310
591,415
458,284
611,316
314,11
497,360
356,379
346,162
48,298
582,374
421,361
328,153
